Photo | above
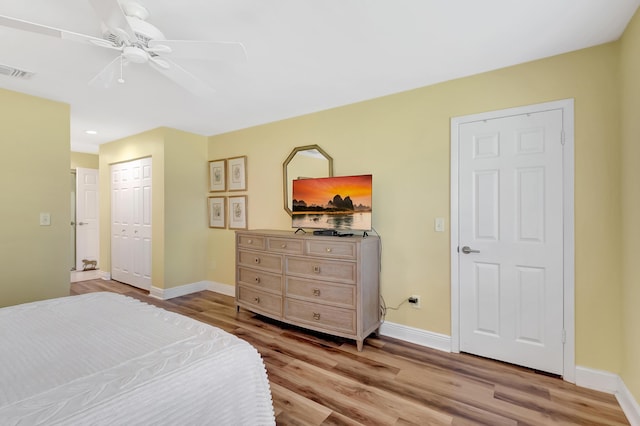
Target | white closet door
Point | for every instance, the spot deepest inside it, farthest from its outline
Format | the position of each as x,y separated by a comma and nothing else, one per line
131,223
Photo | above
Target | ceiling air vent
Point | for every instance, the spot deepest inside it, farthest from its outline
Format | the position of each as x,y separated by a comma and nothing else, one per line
14,72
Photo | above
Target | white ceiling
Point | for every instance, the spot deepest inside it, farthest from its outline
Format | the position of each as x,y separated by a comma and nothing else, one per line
303,55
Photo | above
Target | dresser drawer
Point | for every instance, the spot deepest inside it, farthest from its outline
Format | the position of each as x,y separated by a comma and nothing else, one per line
252,241
321,292
284,245
261,279
259,260
344,272
260,301
327,317
332,249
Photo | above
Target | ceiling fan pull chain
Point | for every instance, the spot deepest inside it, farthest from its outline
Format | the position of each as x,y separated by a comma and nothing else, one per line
121,79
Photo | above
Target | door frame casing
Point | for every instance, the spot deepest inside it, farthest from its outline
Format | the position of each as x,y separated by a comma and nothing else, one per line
568,172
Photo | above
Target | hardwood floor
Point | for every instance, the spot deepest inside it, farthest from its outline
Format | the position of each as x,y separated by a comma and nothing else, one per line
323,380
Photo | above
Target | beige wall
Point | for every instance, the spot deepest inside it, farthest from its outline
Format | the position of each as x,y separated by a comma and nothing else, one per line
34,260
185,205
179,185
84,160
404,141
630,101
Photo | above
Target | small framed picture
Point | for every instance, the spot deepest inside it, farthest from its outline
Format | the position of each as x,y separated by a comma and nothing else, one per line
217,175
238,212
237,173
217,212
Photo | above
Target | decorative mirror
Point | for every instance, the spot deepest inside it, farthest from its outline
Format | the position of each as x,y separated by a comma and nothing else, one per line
304,162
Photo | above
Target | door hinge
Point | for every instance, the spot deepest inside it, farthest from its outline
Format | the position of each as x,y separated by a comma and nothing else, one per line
562,137
564,336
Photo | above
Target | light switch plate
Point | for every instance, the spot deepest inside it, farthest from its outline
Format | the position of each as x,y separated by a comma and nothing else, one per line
439,224
45,219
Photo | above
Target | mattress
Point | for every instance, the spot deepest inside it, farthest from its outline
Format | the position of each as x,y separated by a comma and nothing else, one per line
104,358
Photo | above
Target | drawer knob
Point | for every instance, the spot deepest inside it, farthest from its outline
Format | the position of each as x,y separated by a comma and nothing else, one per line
256,260
316,316
328,250
256,299
316,269
316,292
257,280
283,246
249,241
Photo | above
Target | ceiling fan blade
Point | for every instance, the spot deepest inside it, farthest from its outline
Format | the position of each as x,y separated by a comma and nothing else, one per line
207,50
111,73
112,17
19,24
183,78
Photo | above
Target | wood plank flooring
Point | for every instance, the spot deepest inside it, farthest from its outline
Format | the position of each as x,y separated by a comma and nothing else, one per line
323,380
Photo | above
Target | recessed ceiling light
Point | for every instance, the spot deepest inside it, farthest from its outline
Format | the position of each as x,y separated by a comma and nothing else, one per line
91,132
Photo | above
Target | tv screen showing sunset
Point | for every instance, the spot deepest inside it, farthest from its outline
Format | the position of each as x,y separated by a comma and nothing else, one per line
340,203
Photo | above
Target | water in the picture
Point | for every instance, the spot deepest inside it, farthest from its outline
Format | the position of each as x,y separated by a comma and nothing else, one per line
333,221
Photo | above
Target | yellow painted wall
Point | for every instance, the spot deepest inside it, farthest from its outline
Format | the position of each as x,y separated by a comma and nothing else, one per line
630,101
34,138
84,160
179,185
185,205
404,140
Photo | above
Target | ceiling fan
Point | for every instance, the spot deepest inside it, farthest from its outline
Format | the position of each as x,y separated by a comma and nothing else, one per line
125,29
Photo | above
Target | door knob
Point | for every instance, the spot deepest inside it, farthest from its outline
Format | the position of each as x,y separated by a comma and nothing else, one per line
467,250
81,223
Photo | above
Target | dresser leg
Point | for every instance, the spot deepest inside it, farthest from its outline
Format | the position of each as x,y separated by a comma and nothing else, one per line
359,344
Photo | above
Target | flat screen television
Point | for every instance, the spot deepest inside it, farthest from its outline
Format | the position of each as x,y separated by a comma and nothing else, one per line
340,203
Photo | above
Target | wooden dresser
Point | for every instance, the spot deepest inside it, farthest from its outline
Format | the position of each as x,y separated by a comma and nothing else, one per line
327,284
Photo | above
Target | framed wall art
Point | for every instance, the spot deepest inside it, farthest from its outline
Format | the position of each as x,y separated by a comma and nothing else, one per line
238,212
217,175
217,212
237,173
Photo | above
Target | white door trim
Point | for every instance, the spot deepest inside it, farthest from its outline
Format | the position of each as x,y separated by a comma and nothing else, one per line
566,105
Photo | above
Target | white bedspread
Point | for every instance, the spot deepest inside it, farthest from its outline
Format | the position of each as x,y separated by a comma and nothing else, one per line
103,358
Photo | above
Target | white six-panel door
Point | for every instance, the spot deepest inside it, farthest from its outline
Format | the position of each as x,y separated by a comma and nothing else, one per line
511,239
131,222
87,216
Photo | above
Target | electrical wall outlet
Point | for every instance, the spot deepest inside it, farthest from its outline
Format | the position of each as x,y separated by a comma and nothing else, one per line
414,301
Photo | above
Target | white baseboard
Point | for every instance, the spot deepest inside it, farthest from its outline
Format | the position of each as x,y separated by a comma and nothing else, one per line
226,289
170,293
104,275
604,381
415,335
85,275
599,380
628,403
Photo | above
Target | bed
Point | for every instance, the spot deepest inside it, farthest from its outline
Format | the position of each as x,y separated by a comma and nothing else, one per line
105,358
